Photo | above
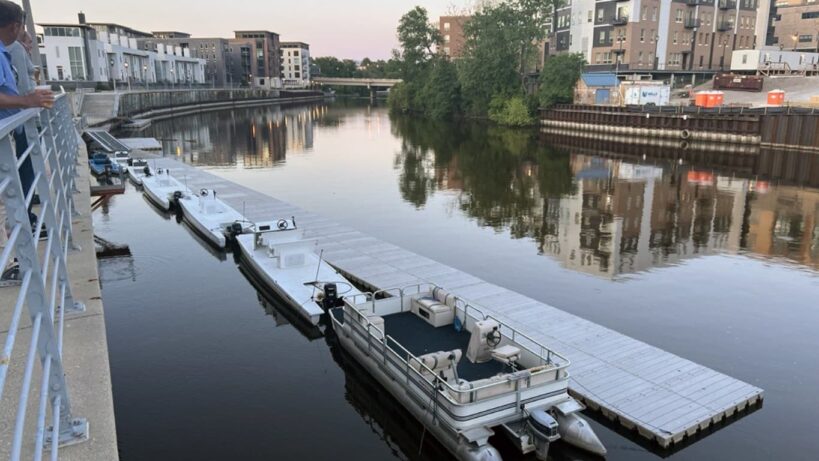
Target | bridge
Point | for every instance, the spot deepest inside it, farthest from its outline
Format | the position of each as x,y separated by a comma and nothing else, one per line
362,82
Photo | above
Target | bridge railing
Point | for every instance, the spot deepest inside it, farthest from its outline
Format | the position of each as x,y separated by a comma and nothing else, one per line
38,147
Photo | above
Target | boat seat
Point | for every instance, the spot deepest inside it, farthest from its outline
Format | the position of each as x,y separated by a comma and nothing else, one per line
433,312
506,354
443,363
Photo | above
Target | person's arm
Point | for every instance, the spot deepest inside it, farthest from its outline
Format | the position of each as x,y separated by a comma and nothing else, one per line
38,98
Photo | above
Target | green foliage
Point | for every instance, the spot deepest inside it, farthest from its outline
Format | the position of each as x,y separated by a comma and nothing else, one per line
330,66
441,95
510,111
488,66
399,98
558,78
418,38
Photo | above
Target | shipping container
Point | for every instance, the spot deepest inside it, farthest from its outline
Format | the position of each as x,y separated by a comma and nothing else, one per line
646,92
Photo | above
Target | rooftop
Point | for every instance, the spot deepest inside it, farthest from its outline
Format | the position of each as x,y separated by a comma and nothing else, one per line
120,26
599,79
294,45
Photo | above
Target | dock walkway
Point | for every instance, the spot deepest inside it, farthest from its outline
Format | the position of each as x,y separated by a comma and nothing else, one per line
664,397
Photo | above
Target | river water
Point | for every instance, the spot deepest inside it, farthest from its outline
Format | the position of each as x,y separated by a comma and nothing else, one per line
712,257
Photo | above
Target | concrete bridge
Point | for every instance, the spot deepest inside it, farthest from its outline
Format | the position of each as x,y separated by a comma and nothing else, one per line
362,82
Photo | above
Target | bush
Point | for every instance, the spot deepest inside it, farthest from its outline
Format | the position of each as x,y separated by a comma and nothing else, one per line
399,99
510,111
558,78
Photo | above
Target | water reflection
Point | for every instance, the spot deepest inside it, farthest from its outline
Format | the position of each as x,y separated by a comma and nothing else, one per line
598,215
247,138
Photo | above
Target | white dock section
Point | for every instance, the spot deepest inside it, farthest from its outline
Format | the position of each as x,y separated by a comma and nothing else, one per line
663,397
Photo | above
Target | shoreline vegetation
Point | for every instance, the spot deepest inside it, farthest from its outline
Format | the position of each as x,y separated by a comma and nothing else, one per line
495,78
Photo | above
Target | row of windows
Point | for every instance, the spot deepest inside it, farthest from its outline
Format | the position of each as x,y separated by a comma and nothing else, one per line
811,15
62,31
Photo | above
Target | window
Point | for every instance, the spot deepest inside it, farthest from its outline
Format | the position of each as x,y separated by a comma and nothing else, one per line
60,75
591,16
601,13
644,14
811,15
674,40
654,14
679,17
701,60
745,59
640,58
447,26
805,38
446,38
57,52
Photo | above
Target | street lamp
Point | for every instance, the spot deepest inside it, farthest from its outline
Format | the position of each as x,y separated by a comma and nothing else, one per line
173,76
127,75
145,76
620,40
795,37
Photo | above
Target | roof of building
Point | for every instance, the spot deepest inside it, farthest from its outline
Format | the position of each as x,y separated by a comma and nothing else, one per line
171,33
258,31
599,79
125,28
62,24
294,45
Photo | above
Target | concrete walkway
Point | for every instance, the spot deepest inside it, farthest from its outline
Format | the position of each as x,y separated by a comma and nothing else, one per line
85,351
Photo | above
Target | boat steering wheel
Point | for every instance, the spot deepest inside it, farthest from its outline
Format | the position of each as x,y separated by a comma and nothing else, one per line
203,192
493,338
282,224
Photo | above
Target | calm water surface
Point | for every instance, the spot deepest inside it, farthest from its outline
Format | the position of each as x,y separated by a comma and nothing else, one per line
713,258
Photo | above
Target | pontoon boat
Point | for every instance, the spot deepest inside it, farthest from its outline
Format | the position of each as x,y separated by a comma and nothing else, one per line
463,374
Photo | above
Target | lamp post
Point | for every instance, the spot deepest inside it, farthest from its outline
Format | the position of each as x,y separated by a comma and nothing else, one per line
145,73
127,75
620,40
173,77
656,57
795,37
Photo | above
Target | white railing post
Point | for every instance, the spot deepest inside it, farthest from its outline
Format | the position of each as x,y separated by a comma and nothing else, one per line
45,290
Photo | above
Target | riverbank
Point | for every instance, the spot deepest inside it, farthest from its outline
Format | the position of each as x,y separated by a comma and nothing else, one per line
110,109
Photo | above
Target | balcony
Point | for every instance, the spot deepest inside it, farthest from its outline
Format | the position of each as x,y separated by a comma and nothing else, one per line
692,23
727,4
724,26
618,51
692,2
621,20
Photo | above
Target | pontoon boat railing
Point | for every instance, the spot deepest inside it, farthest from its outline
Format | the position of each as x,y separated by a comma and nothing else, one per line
44,287
363,327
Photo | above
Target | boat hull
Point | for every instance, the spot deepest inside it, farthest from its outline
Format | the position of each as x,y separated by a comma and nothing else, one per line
458,446
288,284
209,225
160,188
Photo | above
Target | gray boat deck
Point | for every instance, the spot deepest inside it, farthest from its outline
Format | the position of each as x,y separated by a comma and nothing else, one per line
662,396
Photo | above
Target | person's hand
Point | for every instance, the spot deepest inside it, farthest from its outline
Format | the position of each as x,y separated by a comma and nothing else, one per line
40,98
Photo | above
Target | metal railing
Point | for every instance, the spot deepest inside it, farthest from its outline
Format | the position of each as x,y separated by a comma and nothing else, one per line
40,243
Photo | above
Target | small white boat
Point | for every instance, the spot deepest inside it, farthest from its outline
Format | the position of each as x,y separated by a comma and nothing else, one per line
136,170
210,216
160,187
287,264
121,157
463,374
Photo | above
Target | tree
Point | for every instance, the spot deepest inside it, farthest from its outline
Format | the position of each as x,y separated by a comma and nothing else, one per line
440,97
488,67
558,78
418,39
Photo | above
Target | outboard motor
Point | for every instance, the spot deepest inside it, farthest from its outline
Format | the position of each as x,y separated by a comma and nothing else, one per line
147,171
544,431
331,299
177,194
130,161
235,229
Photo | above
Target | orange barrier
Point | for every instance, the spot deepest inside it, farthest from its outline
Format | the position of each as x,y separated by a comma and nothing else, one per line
776,98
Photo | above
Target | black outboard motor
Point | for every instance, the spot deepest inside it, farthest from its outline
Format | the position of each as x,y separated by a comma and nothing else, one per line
130,161
177,195
330,296
147,171
235,229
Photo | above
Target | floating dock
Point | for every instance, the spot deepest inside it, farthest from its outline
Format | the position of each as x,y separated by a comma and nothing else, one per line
661,396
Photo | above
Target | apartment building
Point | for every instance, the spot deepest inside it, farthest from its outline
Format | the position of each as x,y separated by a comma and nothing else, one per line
219,68
257,52
655,35
108,52
452,32
796,25
295,69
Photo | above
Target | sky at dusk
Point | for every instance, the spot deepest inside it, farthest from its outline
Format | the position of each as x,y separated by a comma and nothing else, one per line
342,28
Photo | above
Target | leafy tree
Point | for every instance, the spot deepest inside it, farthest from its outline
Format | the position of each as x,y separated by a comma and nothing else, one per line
488,67
418,39
558,77
441,95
